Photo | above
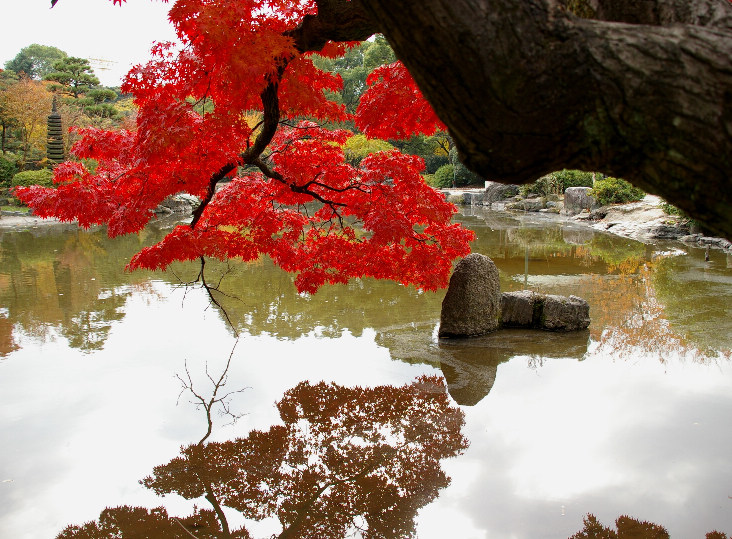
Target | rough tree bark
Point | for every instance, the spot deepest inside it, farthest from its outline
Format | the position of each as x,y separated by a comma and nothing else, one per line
527,87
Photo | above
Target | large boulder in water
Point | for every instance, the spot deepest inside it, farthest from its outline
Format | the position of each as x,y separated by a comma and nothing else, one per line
472,304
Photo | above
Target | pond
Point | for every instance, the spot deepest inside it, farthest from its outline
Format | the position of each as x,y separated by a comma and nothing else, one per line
103,375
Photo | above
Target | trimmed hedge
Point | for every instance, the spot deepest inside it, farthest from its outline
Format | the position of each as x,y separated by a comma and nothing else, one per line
43,177
444,176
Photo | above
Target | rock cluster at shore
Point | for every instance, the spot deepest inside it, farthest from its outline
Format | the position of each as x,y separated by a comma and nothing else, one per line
644,220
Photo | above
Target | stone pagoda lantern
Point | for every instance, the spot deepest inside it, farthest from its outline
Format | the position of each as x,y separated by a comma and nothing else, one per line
54,139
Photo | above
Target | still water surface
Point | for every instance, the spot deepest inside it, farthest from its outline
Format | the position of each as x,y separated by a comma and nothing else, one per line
629,417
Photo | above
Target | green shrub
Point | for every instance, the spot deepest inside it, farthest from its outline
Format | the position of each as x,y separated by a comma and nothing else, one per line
615,191
444,176
464,176
573,178
43,177
670,209
543,186
8,169
429,179
557,182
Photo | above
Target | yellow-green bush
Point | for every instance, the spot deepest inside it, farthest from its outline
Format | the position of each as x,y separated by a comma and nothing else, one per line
43,177
615,191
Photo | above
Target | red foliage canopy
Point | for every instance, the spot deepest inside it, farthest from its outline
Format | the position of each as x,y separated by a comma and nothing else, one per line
293,197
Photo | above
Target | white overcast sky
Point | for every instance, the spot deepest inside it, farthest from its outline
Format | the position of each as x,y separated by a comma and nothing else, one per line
88,29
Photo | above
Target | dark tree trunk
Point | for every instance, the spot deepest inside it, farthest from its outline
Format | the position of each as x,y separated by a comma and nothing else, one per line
527,88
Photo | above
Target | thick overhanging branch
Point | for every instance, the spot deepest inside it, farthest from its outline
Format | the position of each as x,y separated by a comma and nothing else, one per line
337,20
527,88
714,13
269,124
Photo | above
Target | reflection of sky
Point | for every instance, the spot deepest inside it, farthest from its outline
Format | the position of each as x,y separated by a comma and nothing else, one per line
550,445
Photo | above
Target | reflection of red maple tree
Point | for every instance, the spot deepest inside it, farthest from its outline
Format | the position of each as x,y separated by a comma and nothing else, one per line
346,459
628,528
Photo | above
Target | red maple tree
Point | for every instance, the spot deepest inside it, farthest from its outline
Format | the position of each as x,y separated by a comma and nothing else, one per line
293,197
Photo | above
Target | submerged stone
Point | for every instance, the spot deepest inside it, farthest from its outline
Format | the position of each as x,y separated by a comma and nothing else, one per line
517,309
527,309
565,313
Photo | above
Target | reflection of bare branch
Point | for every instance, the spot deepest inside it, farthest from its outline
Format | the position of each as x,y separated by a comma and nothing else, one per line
210,289
208,404
184,528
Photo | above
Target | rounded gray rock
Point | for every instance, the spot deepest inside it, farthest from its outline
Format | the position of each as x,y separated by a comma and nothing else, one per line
472,304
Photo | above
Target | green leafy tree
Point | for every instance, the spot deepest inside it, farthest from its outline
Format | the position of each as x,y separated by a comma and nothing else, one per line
75,74
99,103
377,53
36,61
433,149
355,66
8,169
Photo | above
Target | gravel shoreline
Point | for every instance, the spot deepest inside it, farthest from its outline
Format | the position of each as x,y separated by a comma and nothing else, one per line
13,220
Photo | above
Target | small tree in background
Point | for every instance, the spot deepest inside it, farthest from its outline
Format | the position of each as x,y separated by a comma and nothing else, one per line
27,102
74,74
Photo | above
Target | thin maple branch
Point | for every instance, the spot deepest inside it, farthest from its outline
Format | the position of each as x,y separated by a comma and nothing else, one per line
208,405
210,290
273,174
351,187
